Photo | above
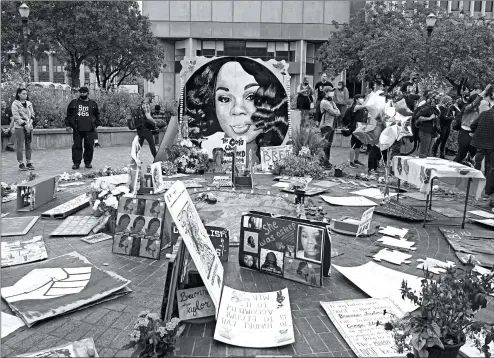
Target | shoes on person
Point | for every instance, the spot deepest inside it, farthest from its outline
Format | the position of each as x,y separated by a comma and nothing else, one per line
75,166
10,149
30,166
22,167
353,165
371,172
88,165
97,145
359,163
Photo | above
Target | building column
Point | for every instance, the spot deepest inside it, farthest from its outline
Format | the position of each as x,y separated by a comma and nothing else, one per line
51,75
35,70
66,77
484,6
82,74
472,8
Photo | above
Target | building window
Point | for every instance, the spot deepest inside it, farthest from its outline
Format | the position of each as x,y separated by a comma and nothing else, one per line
466,5
455,5
44,69
256,49
444,5
477,6
179,55
208,48
488,6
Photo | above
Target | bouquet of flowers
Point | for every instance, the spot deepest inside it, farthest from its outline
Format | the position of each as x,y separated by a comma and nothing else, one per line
106,171
152,337
104,197
168,168
187,158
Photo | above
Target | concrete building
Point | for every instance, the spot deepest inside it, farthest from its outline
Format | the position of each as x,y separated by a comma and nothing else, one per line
290,30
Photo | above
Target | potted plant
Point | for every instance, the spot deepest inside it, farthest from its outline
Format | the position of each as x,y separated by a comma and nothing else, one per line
446,314
152,337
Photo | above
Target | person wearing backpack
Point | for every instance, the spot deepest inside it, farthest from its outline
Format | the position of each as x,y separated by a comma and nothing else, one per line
82,120
146,123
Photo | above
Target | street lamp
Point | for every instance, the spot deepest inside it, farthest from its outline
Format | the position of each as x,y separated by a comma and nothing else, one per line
24,11
430,21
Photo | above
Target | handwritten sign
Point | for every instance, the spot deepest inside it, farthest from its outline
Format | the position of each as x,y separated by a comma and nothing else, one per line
356,320
220,238
365,222
222,181
229,144
194,303
255,320
272,155
21,252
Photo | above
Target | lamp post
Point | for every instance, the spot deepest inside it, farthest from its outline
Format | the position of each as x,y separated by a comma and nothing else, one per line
24,12
430,21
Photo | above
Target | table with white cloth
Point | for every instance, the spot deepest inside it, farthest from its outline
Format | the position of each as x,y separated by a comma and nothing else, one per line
422,172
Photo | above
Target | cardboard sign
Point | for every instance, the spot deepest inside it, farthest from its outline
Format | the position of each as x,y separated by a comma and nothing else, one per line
229,145
68,208
295,249
255,320
139,227
157,178
22,252
222,181
365,222
272,155
356,320
18,226
195,237
33,194
76,226
219,236
194,303
73,349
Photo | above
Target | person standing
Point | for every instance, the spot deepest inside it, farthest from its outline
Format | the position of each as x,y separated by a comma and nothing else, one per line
357,113
319,88
425,117
82,120
341,98
483,134
488,101
9,132
23,116
145,129
329,112
446,117
304,100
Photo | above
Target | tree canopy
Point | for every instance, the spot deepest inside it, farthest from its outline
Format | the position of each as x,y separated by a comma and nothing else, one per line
382,43
111,34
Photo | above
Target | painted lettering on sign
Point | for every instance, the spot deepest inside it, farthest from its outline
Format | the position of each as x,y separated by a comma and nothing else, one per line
272,155
194,303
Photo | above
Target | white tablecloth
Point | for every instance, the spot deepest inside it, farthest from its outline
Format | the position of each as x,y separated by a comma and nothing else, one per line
420,171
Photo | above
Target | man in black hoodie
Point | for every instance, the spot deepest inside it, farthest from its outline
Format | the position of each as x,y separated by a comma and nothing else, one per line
82,120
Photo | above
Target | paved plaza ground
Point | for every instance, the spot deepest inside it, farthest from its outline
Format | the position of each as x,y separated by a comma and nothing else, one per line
110,323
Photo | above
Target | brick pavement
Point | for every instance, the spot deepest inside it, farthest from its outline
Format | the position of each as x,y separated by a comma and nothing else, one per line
110,323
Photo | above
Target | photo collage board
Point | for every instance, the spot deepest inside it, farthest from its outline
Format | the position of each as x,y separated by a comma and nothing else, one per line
139,227
295,249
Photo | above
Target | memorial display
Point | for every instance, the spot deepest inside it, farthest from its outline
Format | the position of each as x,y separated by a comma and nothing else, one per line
33,194
295,249
271,155
68,208
139,227
22,252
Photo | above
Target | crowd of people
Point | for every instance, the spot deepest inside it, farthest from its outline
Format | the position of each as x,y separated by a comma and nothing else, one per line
465,123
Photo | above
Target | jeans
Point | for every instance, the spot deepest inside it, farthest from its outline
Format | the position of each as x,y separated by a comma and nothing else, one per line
464,146
339,119
77,153
488,155
328,134
146,134
441,141
425,139
23,140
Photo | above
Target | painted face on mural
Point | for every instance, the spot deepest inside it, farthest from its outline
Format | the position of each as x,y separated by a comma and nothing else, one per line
234,101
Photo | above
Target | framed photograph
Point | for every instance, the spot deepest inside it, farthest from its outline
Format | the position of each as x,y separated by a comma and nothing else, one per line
126,205
309,243
251,242
252,222
154,208
272,262
302,271
249,261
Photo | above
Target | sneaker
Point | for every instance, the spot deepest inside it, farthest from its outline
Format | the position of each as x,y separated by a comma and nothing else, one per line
353,165
75,166
10,149
22,167
359,163
88,165
30,166
97,145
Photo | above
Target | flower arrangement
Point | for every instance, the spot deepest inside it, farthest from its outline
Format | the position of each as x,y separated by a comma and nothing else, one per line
168,168
296,166
447,314
187,158
104,197
105,171
152,337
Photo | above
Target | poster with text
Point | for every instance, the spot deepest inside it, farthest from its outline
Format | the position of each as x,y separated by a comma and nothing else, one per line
219,236
272,155
255,320
196,238
229,145
194,303
356,320
22,252
365,222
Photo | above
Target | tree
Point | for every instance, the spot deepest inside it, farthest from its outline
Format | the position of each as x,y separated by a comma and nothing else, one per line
384,44
134,52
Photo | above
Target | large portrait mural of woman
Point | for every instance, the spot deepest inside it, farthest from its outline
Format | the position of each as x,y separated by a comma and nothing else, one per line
235,97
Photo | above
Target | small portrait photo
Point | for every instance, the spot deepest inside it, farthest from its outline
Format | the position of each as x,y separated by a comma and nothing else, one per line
141,207
249,261
251,242
309,243
122,244
155,209
252,222
272,262
127,205
290,251
150,247
138,225
302,271
123,221
153,228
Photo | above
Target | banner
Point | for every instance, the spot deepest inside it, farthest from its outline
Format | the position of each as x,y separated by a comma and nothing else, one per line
255,320
365,222
272,155
196,238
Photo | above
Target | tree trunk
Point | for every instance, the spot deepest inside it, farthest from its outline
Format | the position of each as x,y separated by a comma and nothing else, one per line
74,74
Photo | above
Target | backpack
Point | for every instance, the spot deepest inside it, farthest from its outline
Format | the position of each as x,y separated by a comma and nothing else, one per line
137,118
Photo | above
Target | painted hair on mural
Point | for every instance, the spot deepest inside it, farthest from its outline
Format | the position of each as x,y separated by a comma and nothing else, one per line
270,116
